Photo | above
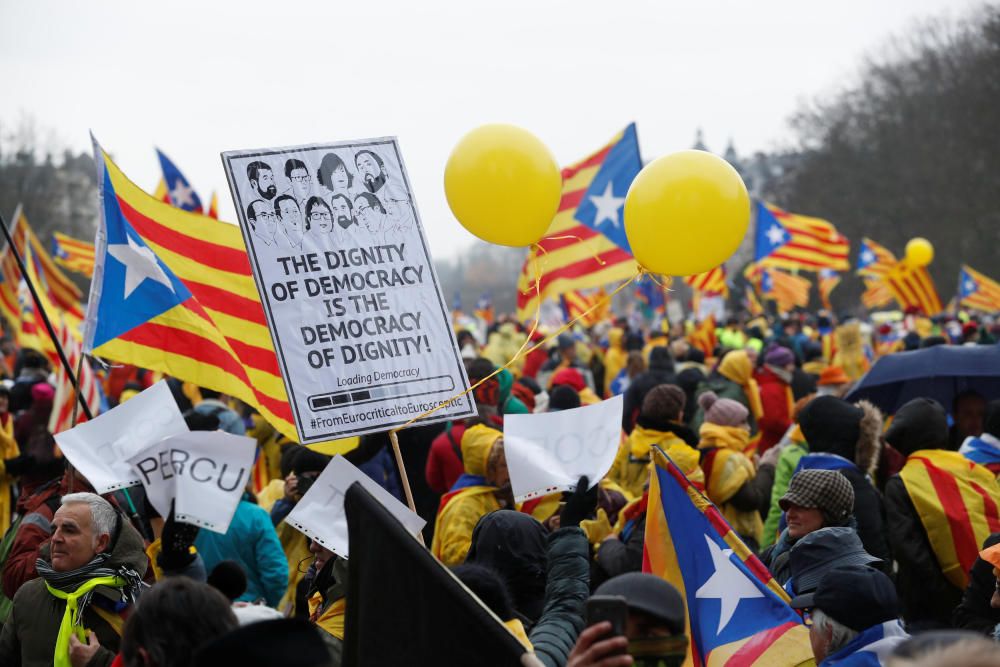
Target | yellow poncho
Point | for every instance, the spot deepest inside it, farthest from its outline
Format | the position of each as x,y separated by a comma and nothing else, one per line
727,469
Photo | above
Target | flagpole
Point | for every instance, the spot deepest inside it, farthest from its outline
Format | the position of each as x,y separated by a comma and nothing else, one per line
45,319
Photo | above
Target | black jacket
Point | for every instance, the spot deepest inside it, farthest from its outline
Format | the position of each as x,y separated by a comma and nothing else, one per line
619,556
661,371
926,596
566,590
974,611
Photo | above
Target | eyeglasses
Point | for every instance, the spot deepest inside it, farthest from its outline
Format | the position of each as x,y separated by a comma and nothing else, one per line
362,209
320,215
267,216
302,179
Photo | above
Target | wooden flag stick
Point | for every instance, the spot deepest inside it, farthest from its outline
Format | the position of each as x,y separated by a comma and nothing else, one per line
402,470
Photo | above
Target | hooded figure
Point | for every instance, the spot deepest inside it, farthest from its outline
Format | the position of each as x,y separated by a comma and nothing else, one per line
660,371
732,481
929,506
733,378
615,359
513,544
776,397
845,438
479,491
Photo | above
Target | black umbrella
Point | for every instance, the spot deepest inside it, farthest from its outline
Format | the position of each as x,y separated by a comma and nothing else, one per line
940,372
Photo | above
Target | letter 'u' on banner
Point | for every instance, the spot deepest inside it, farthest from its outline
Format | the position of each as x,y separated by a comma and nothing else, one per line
549,452
354,309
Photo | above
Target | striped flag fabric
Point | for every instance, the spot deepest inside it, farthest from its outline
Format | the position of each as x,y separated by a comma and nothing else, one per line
213,206
65,400
585,246
977,290
710,283
32,333
786,289
874,259
575,304
73,254
703,336
828,281
877,294
751,302
737,614
913,288
792,241
175,187
10,278
173,292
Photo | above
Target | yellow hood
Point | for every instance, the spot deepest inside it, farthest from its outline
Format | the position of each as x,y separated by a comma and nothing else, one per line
476,445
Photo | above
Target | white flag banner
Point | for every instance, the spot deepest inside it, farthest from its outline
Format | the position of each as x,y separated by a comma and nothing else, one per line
549,452
320,514
203,472
101,447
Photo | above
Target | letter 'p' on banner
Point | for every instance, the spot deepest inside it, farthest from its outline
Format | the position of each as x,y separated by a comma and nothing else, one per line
355,311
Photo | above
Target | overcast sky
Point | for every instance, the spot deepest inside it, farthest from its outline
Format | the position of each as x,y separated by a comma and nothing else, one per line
197,78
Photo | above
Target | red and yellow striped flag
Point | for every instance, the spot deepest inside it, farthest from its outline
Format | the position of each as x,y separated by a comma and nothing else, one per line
64,403
978,290
710,283
828,281
73,254
913,288
798,242
703,336
752,303
876,294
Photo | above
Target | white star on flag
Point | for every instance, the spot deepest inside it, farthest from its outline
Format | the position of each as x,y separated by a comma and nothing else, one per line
775,235
867,257
728,584
140,264
607,206
181,195
970,286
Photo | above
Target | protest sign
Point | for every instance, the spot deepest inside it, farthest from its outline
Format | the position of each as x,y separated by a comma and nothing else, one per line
320,513
203,472
355,311
100,448
549,452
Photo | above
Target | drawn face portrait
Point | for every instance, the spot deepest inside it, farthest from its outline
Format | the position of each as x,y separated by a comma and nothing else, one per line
301,183
370,171
264,185
263,222
370,213
343,213
290,218
320,218
340,179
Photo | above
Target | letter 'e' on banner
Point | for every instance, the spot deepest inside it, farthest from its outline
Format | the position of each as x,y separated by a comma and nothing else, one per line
549,452
355,311
320,514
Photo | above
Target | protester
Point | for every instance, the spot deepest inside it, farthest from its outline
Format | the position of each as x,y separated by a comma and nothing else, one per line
815,499
984,448
979,609
732,481
286,642
922,529
654,632
789,451
853,614
90,576
444,460
968,411
776,398
660,371
733,378
211,404
824,549
615,358
328,598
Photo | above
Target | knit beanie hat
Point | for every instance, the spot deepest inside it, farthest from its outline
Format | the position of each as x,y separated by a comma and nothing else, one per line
664,402
722,411
779,356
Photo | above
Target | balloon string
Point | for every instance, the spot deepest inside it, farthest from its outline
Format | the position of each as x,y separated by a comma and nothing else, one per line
521,352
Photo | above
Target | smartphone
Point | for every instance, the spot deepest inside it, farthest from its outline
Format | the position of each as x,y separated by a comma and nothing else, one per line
608,608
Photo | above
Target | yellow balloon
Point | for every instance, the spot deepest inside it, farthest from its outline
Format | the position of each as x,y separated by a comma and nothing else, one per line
686,213
503,185
919,252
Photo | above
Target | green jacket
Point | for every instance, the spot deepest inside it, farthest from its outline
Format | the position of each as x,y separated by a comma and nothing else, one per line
566,590
29,636
788,461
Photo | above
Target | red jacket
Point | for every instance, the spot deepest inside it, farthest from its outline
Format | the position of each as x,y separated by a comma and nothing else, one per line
444,461
775,399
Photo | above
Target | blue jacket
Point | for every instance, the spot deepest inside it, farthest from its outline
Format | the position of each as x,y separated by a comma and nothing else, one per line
252,542
229,421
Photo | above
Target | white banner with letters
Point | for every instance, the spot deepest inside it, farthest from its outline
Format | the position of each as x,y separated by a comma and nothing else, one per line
355,310
100,448
549,452
320,514
203,472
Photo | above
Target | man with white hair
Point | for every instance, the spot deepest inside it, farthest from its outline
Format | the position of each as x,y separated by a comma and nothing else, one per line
90,573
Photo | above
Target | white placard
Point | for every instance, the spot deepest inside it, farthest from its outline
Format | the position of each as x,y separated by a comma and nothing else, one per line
361,330
320,514
100,448
204,472
549,452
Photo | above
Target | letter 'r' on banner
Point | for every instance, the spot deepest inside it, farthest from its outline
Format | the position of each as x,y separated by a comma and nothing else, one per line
353,306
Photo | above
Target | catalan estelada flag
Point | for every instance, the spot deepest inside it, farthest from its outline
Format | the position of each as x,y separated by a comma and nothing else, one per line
703,336
787,290
710,283
913,288
73,254
874,259
33,333
752,303
978,291
792,241
876,294
828,281
575,305
173,292
737,614
10,278
586,245
484,308
177,189
957,503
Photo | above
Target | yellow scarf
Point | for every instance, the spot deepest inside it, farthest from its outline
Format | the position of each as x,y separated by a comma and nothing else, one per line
729,437
72,620
736,367
331,620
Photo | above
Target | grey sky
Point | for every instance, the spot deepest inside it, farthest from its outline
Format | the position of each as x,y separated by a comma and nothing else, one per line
197,78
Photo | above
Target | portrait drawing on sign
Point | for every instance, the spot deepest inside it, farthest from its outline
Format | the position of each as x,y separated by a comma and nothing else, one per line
261,178
262,220
290,220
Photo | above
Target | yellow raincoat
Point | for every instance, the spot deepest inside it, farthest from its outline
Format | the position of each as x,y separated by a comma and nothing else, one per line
736,366
727,469
460,510
615,359
8,450
632,464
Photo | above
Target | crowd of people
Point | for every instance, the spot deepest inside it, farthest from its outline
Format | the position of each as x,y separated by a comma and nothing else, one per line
870,521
